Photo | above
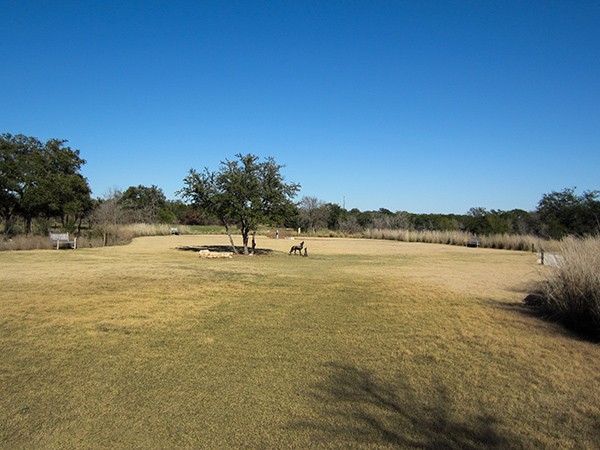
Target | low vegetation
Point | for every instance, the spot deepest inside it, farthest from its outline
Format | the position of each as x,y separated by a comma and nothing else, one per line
124,233
498,241
570,293
365,343
108,236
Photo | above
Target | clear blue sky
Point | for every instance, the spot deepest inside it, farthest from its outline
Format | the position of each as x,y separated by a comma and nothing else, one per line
424,106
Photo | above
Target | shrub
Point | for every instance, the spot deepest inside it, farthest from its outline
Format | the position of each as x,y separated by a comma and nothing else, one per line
570,293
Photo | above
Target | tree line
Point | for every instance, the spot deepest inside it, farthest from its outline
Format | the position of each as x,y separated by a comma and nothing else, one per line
558,214
41,183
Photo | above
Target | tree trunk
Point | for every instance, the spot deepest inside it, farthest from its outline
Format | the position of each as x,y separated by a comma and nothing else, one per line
79,226
245,232
8,224
28,221
230,238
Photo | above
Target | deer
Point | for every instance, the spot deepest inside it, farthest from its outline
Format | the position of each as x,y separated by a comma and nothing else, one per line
297,248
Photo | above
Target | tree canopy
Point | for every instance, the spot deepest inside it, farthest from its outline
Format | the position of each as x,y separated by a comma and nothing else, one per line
143,203
41,180
245,192
565,212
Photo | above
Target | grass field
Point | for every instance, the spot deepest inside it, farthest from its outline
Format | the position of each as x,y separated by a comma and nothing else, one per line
362,344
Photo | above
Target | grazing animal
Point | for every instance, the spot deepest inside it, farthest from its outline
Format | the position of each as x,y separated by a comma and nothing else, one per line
297,248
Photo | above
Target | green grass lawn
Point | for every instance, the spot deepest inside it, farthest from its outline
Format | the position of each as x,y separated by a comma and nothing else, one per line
362,344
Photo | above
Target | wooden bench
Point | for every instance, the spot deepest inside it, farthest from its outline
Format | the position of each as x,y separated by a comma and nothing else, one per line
63,239
473,242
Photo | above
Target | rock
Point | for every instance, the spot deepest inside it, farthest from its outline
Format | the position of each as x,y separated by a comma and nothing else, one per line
209,254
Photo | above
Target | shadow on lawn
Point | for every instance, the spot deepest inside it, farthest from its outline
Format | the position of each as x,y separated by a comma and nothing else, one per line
532,306
360,410
222,248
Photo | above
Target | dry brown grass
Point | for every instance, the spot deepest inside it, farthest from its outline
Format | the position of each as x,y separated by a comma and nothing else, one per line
362,344
22,242
570,292
498,241
115,235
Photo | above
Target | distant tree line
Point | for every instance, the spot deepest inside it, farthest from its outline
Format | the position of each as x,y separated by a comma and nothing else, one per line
41,184
557,214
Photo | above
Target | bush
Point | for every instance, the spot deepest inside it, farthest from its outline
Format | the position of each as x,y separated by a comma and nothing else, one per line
570,293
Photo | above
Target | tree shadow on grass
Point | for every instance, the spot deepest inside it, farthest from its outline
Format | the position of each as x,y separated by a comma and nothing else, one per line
533,306
223,248
358,410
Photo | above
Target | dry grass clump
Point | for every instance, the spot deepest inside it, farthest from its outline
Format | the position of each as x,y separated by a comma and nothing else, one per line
571,291
125,233
509,241
22,242
499,241
151,229
108,235
430,237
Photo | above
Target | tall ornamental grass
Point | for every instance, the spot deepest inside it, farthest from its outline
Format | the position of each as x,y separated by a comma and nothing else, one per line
123,234
22,242
570,293
499,241
105,236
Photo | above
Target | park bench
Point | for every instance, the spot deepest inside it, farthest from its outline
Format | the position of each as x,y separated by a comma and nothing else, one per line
550,259
473,242
63,239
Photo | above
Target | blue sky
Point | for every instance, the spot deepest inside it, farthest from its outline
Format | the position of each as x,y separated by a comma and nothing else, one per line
420,106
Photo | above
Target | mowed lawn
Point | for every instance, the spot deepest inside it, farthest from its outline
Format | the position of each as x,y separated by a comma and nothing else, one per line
362,344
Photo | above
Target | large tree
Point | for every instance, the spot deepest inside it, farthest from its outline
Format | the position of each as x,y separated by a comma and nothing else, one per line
41,180
313,213
67,191
144,203
15,153
565,212
245,192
